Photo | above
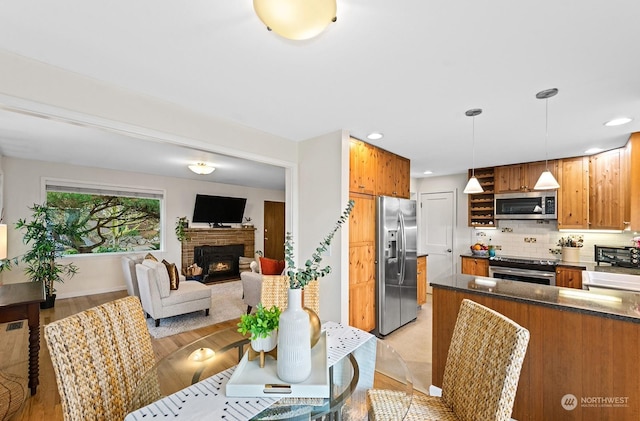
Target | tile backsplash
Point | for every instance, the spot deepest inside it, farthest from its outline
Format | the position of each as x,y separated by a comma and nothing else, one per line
534,239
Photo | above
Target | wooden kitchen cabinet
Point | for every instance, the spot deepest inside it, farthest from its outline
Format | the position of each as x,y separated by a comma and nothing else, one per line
362,167
633,177
475,266
394,174
522,177
422,280
362,275
607,202
569,277
573,194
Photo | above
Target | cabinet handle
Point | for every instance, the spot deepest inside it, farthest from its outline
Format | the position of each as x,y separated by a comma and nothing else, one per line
361,187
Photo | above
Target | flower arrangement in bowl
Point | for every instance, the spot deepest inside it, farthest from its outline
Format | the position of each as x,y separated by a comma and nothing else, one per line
571,241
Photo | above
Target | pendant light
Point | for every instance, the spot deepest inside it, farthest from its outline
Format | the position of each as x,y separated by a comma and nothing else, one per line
296,19
473,185
546,181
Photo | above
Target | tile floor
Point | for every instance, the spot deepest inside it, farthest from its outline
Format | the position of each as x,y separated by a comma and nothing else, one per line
413,342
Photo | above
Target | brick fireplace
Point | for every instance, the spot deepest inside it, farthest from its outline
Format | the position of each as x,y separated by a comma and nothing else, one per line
202,237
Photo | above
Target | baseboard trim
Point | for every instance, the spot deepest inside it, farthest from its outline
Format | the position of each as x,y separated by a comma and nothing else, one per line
89,292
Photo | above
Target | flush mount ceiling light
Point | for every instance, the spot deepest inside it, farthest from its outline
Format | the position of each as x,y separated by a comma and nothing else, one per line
591,151
201,168
375,136
296,19
473,186
546,181
618,121
427,172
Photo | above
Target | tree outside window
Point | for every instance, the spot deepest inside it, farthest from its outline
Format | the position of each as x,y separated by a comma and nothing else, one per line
105,223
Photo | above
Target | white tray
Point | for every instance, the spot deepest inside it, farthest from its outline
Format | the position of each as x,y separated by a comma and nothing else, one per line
249,380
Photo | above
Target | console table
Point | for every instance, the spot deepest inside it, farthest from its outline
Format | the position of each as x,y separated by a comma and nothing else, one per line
19,302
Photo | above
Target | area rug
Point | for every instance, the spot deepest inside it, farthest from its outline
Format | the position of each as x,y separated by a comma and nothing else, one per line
226,304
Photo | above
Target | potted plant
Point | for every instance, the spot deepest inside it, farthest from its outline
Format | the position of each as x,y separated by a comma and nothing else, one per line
263,327
41,232
181,224
300,277
294,337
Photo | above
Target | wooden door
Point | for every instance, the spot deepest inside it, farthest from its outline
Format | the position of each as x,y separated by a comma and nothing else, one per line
475,266
606,202
402,177
573,194
422,280
274,230
569,277
634,181
362,277
362,167
386,179
533,171
508,178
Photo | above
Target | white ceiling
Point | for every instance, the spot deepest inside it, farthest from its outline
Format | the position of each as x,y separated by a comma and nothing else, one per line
407,68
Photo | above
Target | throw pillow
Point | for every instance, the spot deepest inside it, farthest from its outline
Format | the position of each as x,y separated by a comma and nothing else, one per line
174,276
151,257
271,266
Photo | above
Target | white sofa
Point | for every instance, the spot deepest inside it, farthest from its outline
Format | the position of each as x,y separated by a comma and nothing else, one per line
130,278
159,301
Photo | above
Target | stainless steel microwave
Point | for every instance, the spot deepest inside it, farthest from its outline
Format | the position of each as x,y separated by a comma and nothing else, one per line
533,205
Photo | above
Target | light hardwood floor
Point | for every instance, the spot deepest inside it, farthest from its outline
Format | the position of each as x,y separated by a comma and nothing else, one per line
45,405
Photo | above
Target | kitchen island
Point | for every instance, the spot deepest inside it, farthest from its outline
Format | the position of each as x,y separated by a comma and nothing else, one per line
582,361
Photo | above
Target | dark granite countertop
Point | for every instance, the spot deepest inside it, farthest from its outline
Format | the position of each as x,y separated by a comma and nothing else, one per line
619,305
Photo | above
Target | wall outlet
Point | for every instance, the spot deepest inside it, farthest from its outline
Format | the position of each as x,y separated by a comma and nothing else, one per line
532,239
527,239
497,247
507,229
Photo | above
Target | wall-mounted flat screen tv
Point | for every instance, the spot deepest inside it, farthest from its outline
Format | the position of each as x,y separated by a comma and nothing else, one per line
217,210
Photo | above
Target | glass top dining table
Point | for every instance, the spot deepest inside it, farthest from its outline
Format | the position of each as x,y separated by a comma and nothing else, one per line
184,386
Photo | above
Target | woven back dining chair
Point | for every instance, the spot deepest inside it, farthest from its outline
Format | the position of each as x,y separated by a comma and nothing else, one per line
274,292
99,358
480,375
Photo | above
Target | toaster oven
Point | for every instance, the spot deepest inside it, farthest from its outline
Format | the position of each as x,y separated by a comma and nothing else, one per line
622,256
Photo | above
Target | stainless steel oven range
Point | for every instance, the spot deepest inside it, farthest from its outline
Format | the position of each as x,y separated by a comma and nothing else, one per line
535,271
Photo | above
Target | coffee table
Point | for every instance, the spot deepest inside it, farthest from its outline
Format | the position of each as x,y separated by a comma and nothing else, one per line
182,388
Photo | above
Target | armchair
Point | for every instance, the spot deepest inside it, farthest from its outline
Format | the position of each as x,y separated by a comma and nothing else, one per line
159,301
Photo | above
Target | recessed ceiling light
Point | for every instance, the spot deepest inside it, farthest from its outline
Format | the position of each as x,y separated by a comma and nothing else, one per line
593,150
618,121
427,172
375,136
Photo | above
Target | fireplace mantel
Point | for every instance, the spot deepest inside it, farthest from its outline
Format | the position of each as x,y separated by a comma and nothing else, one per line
216,237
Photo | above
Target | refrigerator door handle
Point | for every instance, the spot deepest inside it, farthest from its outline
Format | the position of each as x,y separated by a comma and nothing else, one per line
402,252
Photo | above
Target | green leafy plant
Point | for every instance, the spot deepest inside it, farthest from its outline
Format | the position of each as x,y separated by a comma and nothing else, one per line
261,323
300,277
181,224
41,232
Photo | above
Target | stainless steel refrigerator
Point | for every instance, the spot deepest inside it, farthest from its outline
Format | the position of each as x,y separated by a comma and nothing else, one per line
396,273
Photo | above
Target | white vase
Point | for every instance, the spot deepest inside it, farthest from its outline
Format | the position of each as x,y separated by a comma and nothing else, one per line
571,254
294,348
265,344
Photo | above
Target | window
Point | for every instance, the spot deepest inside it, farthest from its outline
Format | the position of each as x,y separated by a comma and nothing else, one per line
99,219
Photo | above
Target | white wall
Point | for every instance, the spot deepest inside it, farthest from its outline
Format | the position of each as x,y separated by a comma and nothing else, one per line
323,194
97,274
